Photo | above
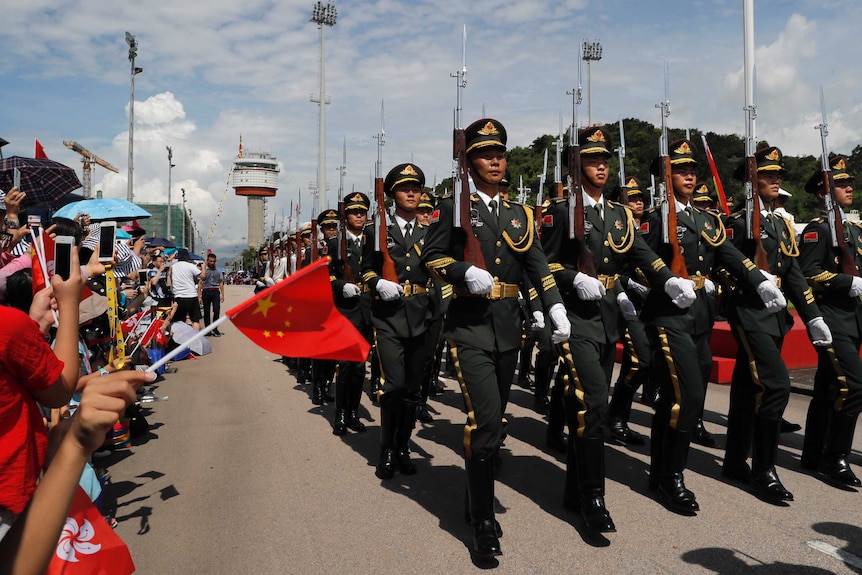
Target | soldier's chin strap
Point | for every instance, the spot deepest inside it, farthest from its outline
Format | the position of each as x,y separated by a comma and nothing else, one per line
114,327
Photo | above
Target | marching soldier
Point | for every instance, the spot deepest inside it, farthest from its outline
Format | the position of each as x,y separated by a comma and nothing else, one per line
837,398
440,296
323,370
637,354
593,305
355,305
760,387
400,314
483,326
681,336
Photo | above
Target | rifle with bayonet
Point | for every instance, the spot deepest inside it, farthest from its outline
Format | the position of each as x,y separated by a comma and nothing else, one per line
752,197
621,156
542,177
830,203
388,270
666,193
558,168
586,262
461,187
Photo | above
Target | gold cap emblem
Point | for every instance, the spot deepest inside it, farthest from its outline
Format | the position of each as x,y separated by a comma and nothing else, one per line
684,148
356,198
597,136
840,165
489,130
702,189
632,183
409,171
773,155
331,214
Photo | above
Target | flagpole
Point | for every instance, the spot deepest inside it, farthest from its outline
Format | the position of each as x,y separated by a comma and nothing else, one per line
188,343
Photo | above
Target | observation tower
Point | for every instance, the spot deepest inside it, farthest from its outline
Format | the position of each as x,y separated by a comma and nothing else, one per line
255,176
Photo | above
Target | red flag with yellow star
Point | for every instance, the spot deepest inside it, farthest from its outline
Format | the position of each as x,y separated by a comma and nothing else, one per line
297,318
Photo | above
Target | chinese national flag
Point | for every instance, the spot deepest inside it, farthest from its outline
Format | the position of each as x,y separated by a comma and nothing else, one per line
88,544
41,278
297,318
40,151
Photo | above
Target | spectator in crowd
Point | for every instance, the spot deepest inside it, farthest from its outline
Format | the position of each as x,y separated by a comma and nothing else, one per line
183,277
211,292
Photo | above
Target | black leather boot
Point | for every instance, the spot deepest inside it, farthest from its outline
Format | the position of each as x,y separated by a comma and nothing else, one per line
339,425
590,460
619,411
571,498
656,447
541,404
671,483
835,465
317,392
554,437
422,413
353,422
386,463
701,436
480,495
739,431
405,422
764,479
816,427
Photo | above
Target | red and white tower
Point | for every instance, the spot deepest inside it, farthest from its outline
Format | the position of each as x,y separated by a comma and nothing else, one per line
255,175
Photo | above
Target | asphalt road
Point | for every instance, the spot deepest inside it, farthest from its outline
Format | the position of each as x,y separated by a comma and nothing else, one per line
240,474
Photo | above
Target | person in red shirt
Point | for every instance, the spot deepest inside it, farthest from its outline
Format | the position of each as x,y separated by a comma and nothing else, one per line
31,372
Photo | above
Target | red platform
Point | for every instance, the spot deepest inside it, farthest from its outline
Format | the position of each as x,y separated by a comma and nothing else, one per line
798,352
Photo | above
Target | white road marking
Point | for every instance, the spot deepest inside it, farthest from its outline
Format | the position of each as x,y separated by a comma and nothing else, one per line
837,553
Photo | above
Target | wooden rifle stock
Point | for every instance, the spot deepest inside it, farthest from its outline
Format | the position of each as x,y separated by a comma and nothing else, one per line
760,259
848,265
472,247
677,264
388,270
586,261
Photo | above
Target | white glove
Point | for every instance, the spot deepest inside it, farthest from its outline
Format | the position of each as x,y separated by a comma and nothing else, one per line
479,281
389,291
350,290
269,281
708,286
626,306
681,292
820,333
639,289
259,284
770,277
560,321
856,287
589,288
772,297
538,323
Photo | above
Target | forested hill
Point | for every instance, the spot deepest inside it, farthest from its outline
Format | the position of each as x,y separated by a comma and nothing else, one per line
642,146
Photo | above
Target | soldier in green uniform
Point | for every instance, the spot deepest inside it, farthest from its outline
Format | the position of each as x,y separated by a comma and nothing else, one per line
440,296
399,313
323,370
483,326
760,387
355,305
593,305
837,398
681,336
637,355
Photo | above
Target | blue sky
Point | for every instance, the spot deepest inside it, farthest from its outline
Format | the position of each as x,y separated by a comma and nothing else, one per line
215,69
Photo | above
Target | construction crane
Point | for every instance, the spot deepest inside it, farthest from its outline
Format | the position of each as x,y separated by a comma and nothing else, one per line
88,159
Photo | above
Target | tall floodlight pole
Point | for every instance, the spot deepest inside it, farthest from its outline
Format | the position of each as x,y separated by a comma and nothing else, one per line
322,16
170,171
592,52
133,52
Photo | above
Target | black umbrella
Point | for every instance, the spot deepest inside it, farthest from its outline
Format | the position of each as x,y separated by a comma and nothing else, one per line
159,243
42,180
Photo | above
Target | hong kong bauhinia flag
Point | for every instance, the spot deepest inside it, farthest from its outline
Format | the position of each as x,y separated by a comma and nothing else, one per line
297,318
88,545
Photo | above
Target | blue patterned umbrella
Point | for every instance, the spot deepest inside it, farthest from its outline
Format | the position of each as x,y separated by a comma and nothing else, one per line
102,210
